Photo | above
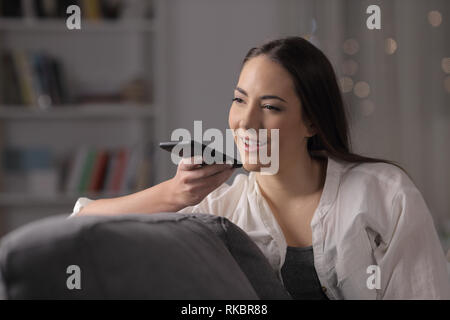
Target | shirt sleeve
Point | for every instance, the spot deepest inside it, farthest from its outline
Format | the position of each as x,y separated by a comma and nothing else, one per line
210,203
81,202
411,260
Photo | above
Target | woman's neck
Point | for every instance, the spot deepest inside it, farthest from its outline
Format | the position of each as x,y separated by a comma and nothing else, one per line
303,176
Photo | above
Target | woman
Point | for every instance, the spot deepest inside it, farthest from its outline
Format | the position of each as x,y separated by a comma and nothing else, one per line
333,224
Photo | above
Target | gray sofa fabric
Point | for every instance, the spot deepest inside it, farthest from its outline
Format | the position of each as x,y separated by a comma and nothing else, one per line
155,256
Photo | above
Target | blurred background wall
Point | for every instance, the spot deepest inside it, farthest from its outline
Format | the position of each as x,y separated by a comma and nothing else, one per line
186,55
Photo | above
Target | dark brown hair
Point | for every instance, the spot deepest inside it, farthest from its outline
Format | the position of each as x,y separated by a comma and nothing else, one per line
316,85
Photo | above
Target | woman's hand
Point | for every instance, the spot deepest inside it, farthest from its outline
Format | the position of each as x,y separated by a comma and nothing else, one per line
190,186
193,182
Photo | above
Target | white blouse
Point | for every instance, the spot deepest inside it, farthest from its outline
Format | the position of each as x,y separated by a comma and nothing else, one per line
372,233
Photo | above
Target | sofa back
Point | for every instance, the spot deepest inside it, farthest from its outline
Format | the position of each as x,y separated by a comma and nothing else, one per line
155,256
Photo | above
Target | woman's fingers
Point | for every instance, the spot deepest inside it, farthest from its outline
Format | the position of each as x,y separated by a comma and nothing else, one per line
219,178
206,171
192,163
193,182
211,182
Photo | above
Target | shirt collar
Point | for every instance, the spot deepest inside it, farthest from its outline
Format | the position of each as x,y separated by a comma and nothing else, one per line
335,168
330,189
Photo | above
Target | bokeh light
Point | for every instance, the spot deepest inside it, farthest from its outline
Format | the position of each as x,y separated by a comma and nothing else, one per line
435,18
361,89
350,46
349,67
447,84
445,64
390,46
346,84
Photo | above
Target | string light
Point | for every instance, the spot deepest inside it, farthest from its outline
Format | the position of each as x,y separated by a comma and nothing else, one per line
445,64
447,84
349,67
390,46
350,46
361,89
346,84
435,18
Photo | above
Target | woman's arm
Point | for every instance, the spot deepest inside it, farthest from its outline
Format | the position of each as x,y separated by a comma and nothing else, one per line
190,186
151,200
412,261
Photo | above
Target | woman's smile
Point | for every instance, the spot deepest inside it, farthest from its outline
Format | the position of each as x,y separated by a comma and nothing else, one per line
251,145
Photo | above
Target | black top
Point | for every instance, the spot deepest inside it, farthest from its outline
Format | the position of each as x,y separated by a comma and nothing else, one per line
299,275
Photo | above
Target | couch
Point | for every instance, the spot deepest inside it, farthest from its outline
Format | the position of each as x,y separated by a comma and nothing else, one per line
153,256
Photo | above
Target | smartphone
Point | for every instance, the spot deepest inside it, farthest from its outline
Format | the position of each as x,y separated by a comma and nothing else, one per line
168,146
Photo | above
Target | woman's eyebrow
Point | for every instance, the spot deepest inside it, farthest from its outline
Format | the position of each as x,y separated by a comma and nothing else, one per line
262,97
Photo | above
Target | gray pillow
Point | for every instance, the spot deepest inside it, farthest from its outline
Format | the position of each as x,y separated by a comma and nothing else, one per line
155,256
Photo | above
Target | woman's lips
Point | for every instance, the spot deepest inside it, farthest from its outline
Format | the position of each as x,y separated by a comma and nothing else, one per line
251,145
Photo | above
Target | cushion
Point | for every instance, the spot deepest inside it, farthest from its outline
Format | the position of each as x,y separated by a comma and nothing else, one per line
154,256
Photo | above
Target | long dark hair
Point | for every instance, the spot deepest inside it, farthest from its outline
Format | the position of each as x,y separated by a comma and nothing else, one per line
316,85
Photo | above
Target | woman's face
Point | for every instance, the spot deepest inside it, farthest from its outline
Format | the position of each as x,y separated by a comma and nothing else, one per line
265,98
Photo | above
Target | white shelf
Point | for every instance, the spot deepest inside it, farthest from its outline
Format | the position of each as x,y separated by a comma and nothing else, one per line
20,199
58,25
71,112
132,49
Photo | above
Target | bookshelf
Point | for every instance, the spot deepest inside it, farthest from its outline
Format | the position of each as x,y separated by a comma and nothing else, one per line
58,25
77,112
114,75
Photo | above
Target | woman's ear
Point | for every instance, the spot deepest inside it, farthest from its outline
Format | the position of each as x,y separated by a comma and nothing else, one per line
311,129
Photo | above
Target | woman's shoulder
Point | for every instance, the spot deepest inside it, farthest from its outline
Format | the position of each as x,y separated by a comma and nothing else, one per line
376,176
374,192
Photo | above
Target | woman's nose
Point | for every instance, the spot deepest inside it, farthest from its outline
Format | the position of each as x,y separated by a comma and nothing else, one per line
251,118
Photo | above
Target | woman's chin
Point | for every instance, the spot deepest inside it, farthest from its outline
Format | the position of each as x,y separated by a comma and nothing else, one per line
250,163
251,167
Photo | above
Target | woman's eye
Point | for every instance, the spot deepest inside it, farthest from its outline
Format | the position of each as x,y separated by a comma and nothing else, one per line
269,107
238,100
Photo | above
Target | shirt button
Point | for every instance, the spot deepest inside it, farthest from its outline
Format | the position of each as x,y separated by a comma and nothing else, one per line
324,289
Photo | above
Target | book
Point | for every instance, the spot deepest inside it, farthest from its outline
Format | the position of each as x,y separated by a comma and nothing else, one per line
32,79
122,159
87,171
2,166
24,71
48,8
98,171
130,171
111,9
10,86
63,5
51,66
28,11
59,82
102,179
49,81
76,169
109,174
91,9
10,8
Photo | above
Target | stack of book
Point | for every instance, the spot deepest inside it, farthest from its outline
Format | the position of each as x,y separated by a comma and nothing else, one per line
32,79
30,169
108,171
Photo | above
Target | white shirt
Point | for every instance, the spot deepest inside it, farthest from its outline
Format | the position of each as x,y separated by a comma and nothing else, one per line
361,205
